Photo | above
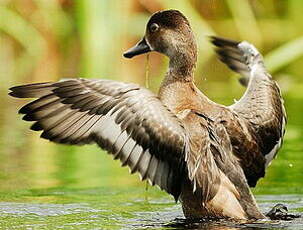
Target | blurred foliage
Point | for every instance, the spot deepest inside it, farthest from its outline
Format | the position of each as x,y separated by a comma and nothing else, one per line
45,40
49,39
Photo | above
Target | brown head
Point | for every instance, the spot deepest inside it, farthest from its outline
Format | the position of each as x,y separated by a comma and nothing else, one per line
168,32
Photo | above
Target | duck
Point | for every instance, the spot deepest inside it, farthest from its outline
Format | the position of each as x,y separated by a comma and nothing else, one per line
206,155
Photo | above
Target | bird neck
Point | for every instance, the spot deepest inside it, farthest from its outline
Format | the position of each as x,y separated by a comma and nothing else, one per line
181,68
178,85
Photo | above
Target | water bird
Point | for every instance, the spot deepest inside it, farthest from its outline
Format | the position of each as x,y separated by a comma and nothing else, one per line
206,155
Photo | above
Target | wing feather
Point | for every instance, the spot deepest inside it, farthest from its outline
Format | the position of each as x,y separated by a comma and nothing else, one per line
128,121
134,157
261,108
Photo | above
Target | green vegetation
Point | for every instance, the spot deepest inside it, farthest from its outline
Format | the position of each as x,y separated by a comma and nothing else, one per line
45,40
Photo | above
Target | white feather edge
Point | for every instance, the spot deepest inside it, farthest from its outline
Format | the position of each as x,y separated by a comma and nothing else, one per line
272,154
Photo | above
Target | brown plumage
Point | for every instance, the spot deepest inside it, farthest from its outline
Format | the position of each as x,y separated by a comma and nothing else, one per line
204,154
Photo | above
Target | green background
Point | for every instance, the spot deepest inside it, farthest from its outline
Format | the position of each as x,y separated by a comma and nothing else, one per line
47,186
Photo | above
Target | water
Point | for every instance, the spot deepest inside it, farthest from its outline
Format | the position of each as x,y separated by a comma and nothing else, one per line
47,186
131,208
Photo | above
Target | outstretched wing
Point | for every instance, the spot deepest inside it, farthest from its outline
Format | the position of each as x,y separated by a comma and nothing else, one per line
262,104
128,121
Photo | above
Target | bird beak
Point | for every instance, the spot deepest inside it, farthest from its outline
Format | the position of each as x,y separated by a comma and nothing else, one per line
140,48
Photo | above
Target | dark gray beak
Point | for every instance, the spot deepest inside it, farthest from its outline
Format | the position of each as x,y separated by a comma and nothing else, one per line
140,48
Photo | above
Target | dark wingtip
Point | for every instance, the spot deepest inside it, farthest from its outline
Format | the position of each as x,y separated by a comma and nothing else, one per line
36,127
11,94
211,37
17,94
29,117
221,42
14,92
13,88
24,110
30,90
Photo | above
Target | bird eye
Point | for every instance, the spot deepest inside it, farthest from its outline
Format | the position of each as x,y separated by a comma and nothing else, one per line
154,27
